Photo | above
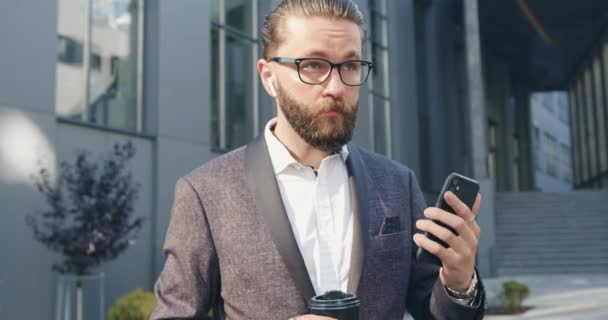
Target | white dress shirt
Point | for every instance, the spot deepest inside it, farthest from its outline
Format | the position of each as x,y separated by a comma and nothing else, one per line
319,210
318,205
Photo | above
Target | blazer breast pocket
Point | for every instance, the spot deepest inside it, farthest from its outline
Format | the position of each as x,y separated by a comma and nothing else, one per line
396,240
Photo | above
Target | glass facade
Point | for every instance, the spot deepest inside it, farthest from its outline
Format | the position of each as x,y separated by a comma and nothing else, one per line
590,121
234,115
536,144
551,160
380,101
566,162
552,140
573,98
99,62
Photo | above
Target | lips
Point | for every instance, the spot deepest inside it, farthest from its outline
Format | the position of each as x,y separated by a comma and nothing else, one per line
333,110
333,113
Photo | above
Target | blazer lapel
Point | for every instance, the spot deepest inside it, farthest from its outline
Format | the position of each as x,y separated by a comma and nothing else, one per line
263,186
360,205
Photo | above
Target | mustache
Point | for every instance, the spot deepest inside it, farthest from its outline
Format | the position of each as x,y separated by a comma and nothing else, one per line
334,105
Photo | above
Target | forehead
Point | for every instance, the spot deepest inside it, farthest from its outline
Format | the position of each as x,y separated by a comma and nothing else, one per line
321,37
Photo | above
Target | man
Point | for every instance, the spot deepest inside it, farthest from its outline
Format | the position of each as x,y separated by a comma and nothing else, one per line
256,233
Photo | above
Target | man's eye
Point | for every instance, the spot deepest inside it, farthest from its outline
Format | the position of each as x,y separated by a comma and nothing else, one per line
351,66
312,66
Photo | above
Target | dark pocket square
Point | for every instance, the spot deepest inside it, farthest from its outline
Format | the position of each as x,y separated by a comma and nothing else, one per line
390,225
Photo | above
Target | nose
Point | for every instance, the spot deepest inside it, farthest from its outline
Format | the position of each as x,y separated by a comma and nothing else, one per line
334,86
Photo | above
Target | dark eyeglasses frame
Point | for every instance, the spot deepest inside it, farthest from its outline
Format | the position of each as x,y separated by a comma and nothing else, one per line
298,61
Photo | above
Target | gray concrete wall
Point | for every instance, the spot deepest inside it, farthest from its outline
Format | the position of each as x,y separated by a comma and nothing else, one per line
183,97
27,33
27,127
25,271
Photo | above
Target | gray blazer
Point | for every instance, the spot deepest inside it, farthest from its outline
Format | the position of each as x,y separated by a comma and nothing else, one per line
229,246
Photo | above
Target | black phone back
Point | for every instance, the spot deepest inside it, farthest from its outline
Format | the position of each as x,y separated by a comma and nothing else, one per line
466,189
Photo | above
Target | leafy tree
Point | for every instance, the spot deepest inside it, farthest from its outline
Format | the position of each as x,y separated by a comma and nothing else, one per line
89,215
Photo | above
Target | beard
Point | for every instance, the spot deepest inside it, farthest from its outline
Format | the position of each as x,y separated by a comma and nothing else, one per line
324,132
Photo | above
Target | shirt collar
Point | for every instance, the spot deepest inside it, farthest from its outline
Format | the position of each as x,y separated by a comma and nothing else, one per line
279,155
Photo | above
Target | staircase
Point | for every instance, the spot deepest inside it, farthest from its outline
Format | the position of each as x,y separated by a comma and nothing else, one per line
551,233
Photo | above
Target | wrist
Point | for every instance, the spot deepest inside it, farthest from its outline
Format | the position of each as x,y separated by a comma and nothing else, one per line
456,284
465,293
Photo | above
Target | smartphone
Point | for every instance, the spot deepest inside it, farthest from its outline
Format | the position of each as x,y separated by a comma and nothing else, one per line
466,189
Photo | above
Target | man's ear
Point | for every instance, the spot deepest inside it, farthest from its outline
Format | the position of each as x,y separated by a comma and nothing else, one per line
265,71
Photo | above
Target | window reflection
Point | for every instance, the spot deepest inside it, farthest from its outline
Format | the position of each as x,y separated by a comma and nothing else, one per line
108,30
379,83
70,80
234,52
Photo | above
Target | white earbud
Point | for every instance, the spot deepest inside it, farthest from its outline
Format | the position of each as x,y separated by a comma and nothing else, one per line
274,93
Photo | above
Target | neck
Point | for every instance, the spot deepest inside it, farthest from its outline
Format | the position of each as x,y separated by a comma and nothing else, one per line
299,149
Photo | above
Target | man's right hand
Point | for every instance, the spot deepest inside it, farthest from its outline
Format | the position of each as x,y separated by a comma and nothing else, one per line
311,317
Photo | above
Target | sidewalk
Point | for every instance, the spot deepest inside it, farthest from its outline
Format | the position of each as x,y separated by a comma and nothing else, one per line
558,297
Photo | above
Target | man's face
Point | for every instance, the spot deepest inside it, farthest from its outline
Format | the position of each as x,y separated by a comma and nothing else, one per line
324,115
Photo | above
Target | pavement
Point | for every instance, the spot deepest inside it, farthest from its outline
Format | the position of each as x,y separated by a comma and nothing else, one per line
557,297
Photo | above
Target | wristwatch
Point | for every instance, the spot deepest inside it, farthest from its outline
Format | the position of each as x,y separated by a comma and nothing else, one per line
468,294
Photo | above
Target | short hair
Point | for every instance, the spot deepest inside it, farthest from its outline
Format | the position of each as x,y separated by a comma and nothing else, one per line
339,9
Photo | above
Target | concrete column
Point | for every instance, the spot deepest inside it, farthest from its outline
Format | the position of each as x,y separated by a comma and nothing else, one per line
476,91
526,154
477,130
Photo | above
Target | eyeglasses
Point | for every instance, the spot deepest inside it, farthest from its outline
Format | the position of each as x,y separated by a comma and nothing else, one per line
315,71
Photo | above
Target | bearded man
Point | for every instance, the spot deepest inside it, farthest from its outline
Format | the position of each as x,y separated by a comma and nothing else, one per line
257,232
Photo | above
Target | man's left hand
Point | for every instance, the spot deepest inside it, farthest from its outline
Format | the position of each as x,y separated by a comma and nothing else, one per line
459,259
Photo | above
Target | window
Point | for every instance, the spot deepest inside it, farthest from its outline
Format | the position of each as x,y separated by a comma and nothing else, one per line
574,129
547,101
600,109
99,62
566,163
564,113
598,90
537,149
582,132
591,138
550,147
380,102
234,91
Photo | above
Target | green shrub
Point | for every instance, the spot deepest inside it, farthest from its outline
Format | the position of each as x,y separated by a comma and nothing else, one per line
136,305
513,294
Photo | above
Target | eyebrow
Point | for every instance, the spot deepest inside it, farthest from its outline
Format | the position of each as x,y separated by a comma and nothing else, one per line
321,54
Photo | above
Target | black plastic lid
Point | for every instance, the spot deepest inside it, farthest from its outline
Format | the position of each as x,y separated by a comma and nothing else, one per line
334,300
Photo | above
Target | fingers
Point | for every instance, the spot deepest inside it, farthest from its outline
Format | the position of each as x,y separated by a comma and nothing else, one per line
431,246
476,229
459,207
455,222
477,204
447,236
475,211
